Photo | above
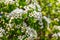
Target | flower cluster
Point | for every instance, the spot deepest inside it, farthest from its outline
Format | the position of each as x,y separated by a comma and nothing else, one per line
15,23
29,20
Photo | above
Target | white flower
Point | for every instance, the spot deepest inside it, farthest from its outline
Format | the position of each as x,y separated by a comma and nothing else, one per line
1,35
32,6
16,13
34,1
28,1
24,24
56,34
56,19
17,10
38,6
2,31
31,15
20,37
12,18
56,27
31,32
9,2
9,25
17,4
37,15
26,8
47,19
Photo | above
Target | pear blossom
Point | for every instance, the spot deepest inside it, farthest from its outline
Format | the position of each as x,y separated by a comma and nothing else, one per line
31,32
32,6
1,35
16,13
2,31
28,1
37,15
47,19
17,10
56,34
24,24
56,19
20,37
9,2
56,27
